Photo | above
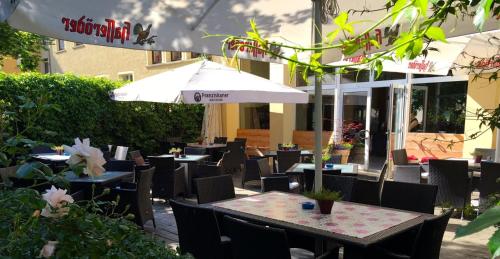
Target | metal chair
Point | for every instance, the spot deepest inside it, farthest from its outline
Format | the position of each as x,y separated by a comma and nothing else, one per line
250,241
452,179
194,151
287,159
488,184
399,157
121,153
409,196
198,231
215,188
138,197
407,173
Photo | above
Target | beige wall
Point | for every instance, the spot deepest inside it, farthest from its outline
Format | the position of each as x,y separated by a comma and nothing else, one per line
9,65
92,60
480,94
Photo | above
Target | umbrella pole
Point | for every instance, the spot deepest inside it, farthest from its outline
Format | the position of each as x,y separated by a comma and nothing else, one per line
497,147
318,105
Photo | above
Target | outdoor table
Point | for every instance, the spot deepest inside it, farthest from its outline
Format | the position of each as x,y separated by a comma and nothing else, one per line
349,223
274,155
51,157
213,149
298,168
107,179
207,146
189,162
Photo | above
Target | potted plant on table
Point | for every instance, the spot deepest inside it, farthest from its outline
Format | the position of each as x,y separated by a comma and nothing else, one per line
175,151
288,146
325,199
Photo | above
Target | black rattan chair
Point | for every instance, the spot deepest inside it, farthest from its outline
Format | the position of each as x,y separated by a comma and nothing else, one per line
195,151
205,170
309,177
242,140
426,245
452,179
168,181
250,241
488,185
216,188
274,182
122,166
251,171
138,197
339,183
407,173
199,232
137,157
235,158
287,159
220,140
409,196
366,192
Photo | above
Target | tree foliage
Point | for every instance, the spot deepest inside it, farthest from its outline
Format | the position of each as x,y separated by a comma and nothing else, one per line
23,45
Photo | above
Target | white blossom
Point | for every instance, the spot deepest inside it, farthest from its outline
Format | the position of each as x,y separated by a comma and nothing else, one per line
91,156
56,199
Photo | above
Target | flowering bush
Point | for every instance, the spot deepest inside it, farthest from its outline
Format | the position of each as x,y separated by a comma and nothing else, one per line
350,132
26,231
83,154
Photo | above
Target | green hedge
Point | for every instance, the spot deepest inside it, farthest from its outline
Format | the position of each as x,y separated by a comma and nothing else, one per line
85,110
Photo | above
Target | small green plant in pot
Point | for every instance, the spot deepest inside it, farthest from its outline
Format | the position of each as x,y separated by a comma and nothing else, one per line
325,199
175,151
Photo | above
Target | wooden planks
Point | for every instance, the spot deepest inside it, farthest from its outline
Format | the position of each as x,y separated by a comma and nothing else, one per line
305,139
255,137
432,144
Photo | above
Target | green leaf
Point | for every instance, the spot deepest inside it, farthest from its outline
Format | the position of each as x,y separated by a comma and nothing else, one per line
341,20
494,243
398,6
436,33
482,14
422,6
292,65
489,218
379,67
375,43
331,36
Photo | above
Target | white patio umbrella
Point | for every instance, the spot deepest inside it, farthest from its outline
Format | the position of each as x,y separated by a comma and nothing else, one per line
208,82
212,121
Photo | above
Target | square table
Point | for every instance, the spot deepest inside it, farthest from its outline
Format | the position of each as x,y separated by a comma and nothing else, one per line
106,178
189,162
207,146
346,169
350,223
51,157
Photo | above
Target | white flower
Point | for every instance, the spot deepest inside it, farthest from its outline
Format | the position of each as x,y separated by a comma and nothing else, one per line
48,249
83,152
56,200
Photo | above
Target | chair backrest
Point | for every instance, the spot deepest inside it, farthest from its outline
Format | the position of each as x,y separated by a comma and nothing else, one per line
144,207
216,188
179,188
207,170
121,153
409,196
137,157
383,174
452,179
251,171
220,140
198,230
120,165
264,168
195,151
275,183
366,192
399,156
163,179
287,159
487,153
310,173
250,241
242,140
42,150
407,173
488,185
338,183
236,155
430,236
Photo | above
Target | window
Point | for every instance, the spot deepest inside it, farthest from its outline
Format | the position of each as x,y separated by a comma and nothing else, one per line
60,45
254,116
353,75
438,107
175,55
126,76
304,114
195,55
46,66
156,57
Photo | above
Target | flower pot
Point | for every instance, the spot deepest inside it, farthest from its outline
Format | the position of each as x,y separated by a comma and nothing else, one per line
325,206
177,154
344,153
478,158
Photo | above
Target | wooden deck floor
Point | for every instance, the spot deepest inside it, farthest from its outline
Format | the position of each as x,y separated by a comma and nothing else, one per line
468,247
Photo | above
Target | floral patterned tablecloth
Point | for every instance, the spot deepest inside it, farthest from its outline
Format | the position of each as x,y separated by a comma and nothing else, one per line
352,219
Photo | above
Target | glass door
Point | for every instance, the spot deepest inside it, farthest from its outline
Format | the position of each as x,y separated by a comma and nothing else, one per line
354,124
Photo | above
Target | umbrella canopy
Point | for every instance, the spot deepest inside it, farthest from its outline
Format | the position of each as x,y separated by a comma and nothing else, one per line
208,82
212,122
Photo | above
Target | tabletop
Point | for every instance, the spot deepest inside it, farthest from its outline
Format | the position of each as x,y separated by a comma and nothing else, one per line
187,159
274,153
206,145
299,168
349,223
51,157
105,178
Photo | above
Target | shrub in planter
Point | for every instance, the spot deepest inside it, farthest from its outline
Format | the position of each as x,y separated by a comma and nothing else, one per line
325,199
53,225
